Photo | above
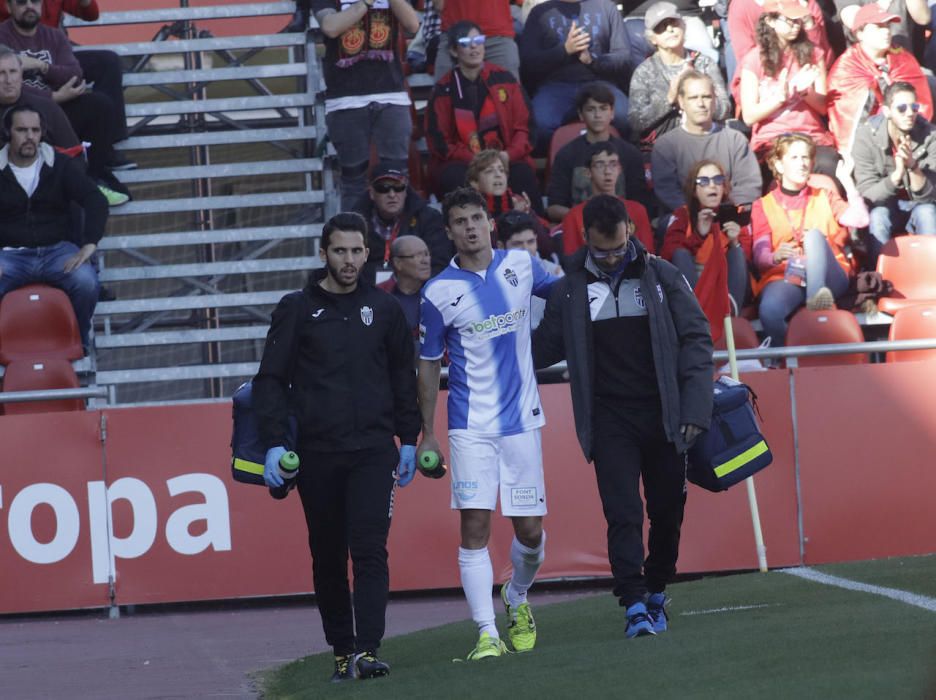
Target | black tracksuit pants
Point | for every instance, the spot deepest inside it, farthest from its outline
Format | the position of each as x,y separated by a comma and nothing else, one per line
630,444
348,500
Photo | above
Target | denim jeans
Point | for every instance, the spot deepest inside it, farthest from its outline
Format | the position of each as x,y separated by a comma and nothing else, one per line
46,265
900,215
780,299
554,105
352,131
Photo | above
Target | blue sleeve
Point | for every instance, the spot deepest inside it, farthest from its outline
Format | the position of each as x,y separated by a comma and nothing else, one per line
542,281
431,331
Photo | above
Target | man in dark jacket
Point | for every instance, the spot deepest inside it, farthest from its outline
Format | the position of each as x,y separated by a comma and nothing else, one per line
640,368
37,187
339,357
392,209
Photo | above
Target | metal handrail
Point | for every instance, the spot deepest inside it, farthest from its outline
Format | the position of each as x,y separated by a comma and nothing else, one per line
90,392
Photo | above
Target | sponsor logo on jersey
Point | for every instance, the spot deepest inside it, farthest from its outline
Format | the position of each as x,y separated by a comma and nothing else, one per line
367,315
523,496
495,325
317,313
511,277
465,490
457,299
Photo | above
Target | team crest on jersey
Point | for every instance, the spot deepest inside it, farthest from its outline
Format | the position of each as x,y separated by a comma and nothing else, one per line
367,315
511,277
638,298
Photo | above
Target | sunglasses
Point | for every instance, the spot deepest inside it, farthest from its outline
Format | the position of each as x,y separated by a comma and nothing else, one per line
467,41
605,254
705,180
28,2
385,187
792,23
912,106
665,24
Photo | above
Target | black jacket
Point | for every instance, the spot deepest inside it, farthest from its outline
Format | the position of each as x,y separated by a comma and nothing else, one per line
349,361
416,219
679,333
44,219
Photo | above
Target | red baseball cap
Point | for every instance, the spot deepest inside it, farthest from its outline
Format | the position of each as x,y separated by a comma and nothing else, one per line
872,14
792,9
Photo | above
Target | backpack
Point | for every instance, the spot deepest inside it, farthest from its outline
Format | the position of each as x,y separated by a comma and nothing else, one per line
247,451
733,448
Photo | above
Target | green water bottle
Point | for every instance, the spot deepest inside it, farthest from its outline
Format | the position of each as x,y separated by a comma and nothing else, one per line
432,464
288,469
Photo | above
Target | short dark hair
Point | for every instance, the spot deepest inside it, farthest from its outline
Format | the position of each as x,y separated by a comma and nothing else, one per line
511,222
12,111
603,213
462,197
460,29
599,92
598,148
895,88
343,221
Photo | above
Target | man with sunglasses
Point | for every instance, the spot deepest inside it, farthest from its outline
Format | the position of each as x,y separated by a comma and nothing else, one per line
895,167
640,366
393,209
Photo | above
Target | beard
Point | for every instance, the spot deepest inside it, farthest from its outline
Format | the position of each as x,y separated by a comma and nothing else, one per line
27,21
335,273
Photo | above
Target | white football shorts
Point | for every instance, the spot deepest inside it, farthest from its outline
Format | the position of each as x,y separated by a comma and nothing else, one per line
512,464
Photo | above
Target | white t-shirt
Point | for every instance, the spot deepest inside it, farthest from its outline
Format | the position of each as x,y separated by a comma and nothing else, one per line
28,177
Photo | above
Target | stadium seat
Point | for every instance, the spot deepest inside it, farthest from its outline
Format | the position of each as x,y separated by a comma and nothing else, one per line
36,375
910,323
909,262
562,136
745,337
823,328
37,321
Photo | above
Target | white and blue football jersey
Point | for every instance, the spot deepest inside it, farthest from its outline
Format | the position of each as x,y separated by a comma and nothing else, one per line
483,319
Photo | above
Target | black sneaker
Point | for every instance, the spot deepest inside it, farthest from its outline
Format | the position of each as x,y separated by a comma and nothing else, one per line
344,669
369,666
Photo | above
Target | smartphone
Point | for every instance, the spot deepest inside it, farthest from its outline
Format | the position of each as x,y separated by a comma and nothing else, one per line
729,212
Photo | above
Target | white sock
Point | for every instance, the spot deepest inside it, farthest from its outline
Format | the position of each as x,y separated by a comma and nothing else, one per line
526,562
477,577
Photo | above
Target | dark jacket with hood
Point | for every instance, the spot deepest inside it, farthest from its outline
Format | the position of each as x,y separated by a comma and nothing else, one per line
343,365
679,335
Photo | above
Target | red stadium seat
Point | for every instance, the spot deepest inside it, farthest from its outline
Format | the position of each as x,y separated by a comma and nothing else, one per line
745,337
37,321
561,136
913,322
822,328
909,262
36,375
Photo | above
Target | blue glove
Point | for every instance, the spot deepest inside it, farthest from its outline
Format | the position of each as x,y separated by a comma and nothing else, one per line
271,474
407,469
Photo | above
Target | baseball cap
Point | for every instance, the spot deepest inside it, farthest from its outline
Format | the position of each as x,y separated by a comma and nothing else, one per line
387,172
659,11
791,9
872,14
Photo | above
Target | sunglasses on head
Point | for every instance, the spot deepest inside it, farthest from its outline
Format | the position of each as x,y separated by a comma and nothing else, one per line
705,180
912,106
384,187
467,41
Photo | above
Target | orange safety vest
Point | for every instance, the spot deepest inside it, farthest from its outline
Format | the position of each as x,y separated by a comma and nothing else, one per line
818,215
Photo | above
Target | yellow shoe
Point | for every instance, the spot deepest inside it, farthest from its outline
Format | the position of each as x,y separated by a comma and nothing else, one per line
521,628
487,647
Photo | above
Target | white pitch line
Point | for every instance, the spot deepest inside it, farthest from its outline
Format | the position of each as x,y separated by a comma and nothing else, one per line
915,599
730,608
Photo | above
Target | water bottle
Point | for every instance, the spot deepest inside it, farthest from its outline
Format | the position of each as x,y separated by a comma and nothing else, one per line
431,464
288,468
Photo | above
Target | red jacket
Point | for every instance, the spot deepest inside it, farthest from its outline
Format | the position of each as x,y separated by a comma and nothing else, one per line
510,106
680,234
52,11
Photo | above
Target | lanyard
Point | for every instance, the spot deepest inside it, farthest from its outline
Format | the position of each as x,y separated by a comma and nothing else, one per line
797,231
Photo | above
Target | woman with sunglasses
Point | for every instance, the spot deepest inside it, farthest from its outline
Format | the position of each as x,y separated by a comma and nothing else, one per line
702,232
800,248
474,107
783,84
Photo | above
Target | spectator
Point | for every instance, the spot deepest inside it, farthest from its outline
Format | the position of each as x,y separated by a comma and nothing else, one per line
569,42
700,138
409,259
569,180
895,167
495,22
365,100
477,106
519,231
393,209
743,16
100,68
708,244
909,13
783,84
860,75
653,110
487,173
38,188
50,65
604,167
800,250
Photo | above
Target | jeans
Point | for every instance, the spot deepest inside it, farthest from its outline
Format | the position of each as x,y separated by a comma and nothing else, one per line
554,105
46,265
737,272
902,215
352,131
780,298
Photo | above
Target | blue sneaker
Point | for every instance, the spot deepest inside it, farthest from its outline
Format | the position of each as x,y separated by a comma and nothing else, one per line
656,610
638,622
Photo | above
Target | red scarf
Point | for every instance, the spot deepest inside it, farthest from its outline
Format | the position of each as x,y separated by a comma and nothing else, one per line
479,133
371,39
712,288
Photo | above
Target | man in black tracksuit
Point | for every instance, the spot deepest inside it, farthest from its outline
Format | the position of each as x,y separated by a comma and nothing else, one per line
639,353
339,357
